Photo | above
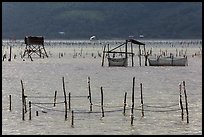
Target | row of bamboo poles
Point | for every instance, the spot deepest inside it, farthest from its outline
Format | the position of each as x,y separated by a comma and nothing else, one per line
67,105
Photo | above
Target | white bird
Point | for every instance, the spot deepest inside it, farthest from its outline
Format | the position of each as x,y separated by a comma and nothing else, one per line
61,32
92,37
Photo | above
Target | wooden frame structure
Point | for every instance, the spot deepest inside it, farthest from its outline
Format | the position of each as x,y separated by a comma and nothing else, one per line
126,53
35,44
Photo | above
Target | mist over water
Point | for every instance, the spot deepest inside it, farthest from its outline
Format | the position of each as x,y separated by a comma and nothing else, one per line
82,59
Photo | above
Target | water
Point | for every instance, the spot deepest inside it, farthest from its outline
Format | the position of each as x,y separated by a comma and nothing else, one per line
42,77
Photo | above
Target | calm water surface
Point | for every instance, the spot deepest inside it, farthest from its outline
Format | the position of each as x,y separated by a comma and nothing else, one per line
42,77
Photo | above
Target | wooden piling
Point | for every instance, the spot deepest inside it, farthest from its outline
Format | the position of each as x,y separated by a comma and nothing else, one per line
23,113
72,122
10,102
132,55
124,107
29,110
144,50
102,110
89,96
4,57
69,101
65,99
55,97
81,51
145,55
25,107
142,100
184,89
103,55
126,55
10,54
108,50
133,88
139,55
181,105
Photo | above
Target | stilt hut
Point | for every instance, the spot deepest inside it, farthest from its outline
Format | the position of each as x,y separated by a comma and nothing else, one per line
122,59
35,45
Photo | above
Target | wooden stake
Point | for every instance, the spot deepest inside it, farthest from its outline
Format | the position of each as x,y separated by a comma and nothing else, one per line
55,97
124,103
23,116
10,102
65,100
146,58
184,86
90,94
72,123
25,104
139,55
145,55
69,101
29,110
126,50
142,100
181,105
10,54
103,55
132,55
102,102
133,88
108,50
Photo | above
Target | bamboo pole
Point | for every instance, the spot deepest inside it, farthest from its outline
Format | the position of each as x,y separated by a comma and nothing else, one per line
102,102
146,58
144,49
184,86
23,113
103,55
39,51
36,112
133,88
65,100
90,94
118,46
69,101
145,55
126,49
29,110
72,122
124,103
181,105
108,50
55,97
142,100
9,102
139,55
25,104
132,55
10,54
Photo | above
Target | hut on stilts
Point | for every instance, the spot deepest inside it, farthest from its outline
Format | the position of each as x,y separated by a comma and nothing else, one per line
122,61
35,44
